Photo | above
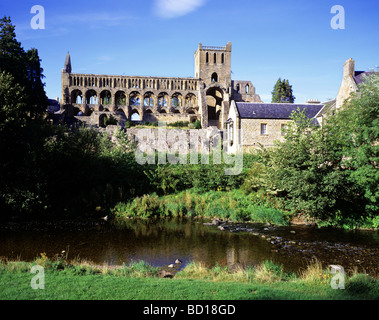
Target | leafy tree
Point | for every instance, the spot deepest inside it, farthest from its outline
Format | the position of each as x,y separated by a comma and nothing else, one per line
35,86
24,67
356,129
13,102
282,92
11,53
331,172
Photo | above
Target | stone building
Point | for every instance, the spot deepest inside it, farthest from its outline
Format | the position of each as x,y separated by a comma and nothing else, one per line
206,97
350,81
251,125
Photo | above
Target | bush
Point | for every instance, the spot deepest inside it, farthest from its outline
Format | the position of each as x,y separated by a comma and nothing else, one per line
197,124
213,204
362,285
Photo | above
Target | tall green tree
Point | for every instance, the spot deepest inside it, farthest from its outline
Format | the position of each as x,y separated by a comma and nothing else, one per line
24,67
331,172
12,55
13,102
282,92
355,129
35,86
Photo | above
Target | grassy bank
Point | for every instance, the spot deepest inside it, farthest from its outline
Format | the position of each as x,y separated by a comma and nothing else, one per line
140,281
232,205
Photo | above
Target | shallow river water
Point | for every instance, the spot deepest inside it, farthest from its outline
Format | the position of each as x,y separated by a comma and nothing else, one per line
161,242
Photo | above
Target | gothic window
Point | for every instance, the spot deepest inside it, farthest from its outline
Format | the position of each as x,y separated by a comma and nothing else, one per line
162,100
106,97
134,99
176,100
214,77
148,100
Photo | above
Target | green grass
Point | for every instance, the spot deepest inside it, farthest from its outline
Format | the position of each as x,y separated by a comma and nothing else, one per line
233,205
140,281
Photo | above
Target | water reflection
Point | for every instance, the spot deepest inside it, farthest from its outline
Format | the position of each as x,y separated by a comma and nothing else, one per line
159,243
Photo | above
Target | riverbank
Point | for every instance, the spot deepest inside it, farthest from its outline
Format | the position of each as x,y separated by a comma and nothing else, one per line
233,206
140,281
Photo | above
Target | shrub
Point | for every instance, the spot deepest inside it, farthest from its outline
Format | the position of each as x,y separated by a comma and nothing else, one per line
197,124
362,285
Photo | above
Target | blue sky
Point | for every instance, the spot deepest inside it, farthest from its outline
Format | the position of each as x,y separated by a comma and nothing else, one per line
273,38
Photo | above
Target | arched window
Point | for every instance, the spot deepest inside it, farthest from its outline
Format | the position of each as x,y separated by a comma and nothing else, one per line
214,77
222,59
214,58
135,99
105,97
162,99
207,57
247,89
148,100
135,116
238,88
176,100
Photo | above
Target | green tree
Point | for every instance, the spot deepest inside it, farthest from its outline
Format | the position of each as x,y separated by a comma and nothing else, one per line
35,86
12,55
282,92
331,172
355,129
24,67
13,102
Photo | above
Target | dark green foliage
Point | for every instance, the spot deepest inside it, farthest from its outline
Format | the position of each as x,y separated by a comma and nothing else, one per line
282,92
330,172
169,178
24,67
111,121
197,124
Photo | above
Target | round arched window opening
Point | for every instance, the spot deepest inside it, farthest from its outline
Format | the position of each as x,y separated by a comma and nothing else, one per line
214,77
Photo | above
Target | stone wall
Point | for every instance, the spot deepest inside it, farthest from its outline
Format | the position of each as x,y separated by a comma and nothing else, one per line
252,137
172,140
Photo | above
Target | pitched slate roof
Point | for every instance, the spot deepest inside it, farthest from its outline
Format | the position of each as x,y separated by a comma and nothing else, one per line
359,76
275,110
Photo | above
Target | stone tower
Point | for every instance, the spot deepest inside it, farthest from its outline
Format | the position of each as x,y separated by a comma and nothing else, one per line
66,71
213,68
213,65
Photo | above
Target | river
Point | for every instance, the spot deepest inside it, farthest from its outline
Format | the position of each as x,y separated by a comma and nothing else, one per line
161,242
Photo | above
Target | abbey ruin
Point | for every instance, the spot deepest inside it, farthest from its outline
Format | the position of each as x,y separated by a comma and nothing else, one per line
211,97
205,97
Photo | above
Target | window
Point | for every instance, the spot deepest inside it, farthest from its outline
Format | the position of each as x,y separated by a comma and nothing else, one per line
207,57
247,89
215,58
214,77
263,128
148,102
222,59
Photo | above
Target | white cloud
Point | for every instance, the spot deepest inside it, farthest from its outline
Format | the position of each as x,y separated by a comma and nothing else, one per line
176,8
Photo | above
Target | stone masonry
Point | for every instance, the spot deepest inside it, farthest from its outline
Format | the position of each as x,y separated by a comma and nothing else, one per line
206,97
